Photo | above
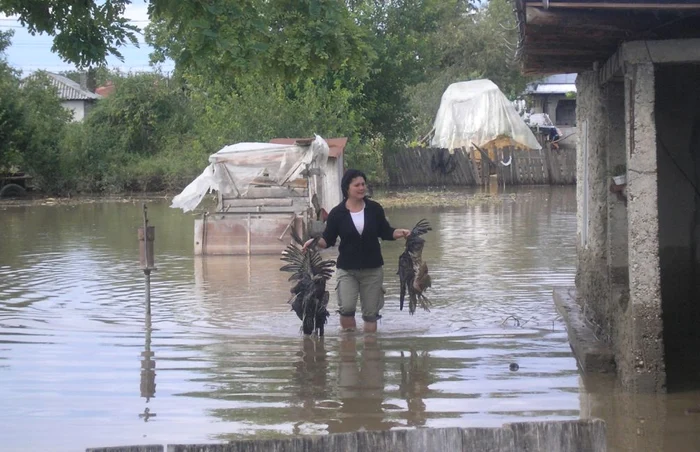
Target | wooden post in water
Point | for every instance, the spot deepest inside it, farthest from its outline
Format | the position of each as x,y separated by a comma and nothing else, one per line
146,236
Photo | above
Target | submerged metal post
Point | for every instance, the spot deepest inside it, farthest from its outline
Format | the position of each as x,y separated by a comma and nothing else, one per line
146,236
148,373
148,291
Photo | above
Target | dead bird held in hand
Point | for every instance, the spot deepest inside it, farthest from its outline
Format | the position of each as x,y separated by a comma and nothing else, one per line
309,295
413,271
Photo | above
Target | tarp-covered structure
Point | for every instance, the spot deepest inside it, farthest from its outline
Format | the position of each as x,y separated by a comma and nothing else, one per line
478,112
233,169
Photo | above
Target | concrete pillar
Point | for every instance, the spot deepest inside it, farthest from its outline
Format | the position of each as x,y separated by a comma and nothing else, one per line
592,199
641,362
617,210
617,265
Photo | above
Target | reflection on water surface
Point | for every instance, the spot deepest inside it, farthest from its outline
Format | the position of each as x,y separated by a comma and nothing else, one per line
222,358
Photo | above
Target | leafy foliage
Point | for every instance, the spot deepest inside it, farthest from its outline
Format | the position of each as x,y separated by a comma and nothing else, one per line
478,45
250,70
44,120
292,39
84,32
10,111
31,124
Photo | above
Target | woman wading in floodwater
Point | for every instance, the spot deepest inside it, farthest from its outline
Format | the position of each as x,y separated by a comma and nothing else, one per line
360,223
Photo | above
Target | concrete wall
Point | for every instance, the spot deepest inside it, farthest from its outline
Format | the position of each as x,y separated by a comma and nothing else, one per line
621,301
592,197
77,107
557,436
642,352
678,149
569,138
547,103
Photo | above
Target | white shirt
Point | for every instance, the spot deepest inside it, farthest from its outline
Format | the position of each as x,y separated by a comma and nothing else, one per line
359,219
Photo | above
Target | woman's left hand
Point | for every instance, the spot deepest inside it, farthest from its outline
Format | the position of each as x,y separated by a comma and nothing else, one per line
401,233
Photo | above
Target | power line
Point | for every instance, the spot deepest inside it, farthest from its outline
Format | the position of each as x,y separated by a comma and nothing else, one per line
46,44
130,20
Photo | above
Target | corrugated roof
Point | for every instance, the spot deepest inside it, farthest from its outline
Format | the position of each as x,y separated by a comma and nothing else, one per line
559,79
554,84
67,88
552,88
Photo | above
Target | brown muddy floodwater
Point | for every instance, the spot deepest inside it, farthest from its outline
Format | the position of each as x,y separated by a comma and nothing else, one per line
222,356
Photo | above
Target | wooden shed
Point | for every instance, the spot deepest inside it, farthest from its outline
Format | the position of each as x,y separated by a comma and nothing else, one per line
264,191
329,184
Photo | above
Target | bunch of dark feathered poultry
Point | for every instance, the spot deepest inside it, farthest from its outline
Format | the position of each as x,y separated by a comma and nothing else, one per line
309,295
311,273
413,270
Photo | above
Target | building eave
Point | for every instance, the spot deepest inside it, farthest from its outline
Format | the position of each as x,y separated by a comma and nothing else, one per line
572,36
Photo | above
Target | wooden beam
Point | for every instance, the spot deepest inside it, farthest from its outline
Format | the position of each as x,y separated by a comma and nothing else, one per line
573,42
609,20
553,61
566,51
548,70
618,6
590,36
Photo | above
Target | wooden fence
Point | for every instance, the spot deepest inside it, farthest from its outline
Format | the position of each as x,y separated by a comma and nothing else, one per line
439,167
432,167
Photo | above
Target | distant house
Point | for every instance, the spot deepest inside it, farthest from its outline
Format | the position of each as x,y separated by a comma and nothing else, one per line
75,98
553,102
105,90
552,96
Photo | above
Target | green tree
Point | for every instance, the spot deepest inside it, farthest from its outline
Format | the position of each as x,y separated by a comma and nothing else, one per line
293,39
143,111
31,123
44,121
478,45
85,32
400,37
10,110
290,37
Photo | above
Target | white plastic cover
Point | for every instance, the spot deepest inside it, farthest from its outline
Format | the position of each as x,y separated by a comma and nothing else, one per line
478,112
235,167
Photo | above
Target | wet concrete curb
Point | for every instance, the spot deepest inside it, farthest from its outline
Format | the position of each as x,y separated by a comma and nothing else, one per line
586,435
591,354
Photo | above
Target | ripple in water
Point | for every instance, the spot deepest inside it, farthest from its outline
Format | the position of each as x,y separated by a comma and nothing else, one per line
221,356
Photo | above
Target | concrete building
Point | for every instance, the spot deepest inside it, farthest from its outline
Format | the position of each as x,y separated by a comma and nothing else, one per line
638,105
555,96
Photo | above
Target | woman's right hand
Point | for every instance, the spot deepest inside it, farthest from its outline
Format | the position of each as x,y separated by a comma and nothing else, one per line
307,244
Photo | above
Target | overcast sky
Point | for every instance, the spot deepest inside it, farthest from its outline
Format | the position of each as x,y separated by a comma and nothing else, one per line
30,53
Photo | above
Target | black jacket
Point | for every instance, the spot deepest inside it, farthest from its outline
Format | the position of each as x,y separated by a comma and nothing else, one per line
358,251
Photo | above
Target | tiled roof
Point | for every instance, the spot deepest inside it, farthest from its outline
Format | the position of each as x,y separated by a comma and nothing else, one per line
68,89
105,90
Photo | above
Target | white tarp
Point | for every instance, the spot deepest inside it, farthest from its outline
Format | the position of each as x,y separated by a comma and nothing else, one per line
478,112
235,167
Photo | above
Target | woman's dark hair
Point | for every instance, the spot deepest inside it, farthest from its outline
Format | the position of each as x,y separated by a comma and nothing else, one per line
347,179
